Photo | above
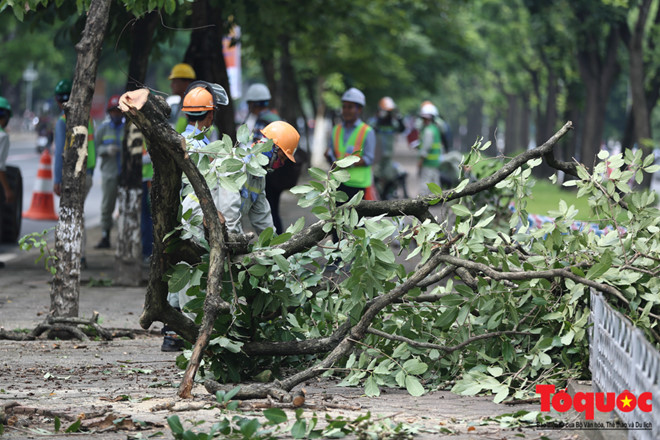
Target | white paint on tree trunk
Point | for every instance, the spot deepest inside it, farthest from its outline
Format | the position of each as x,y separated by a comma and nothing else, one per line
129,241
319,142
66,284
129,244
82,150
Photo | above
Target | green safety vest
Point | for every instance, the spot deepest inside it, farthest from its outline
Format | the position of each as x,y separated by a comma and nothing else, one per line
432,159
360,176
91,148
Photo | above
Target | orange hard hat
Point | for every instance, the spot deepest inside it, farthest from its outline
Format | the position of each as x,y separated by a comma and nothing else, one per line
197,101
386,103
284,136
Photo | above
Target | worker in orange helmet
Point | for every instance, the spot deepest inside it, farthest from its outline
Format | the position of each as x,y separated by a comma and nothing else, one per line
251,203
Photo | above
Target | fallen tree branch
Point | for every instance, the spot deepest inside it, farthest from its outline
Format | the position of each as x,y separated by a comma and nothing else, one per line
444,348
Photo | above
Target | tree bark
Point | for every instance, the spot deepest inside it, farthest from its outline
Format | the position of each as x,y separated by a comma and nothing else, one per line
68,233
637,77
289,105
598,74
474,128
128,271
204,54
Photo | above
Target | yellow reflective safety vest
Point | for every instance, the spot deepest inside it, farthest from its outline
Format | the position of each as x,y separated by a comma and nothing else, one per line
361,177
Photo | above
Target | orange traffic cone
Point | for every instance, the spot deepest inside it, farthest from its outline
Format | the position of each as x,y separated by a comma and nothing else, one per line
43,203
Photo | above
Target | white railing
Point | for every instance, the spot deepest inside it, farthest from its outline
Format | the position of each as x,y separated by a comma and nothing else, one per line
620,358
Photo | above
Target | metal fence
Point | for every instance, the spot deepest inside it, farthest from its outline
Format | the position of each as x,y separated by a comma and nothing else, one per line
620,358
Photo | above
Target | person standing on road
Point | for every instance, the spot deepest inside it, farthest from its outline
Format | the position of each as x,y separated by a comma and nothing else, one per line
353,137
62,94
110,136
285,177
387,123
180,78
430,149
5,115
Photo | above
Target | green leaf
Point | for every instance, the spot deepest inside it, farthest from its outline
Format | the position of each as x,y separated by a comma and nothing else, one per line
415,366
58,424
249,428
243,134
317,174
74,427
460,210
347,161
258,270
600,267
231,393
371,387
275,416
299,429
461,186
341,175
175,425
447,318
180,277
413,386
282,263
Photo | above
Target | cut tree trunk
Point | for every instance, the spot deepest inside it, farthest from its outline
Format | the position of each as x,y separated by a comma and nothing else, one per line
65,289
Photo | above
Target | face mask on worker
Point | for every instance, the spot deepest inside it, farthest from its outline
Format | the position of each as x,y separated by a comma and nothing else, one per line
117,119
275,159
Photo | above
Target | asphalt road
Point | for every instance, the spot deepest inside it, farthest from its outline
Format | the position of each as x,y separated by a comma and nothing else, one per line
23,154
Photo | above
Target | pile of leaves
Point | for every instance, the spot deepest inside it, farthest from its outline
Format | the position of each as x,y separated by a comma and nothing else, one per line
506,308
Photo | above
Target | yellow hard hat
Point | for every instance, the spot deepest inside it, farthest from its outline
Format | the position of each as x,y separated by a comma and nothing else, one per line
284,136
182,70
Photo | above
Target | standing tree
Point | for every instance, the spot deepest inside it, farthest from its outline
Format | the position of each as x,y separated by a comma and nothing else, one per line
129,248
68,234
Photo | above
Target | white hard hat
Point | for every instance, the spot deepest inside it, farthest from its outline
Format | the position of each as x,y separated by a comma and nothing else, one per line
257,92
354,95
173,100
428,111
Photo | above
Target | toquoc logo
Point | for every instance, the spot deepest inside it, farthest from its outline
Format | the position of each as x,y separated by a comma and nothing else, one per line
588,402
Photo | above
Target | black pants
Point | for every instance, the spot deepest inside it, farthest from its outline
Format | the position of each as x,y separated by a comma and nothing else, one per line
273,197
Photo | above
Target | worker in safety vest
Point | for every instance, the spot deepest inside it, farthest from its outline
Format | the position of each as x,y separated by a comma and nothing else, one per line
109,137
181,76
250,203
387,123
353,137
430,149
62,94
199,104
